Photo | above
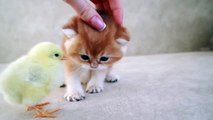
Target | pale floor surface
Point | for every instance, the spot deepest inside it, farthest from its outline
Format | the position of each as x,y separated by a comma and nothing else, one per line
154,87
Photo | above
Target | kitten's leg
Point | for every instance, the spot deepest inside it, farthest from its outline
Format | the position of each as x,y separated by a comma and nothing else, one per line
111,76
95,85
74,88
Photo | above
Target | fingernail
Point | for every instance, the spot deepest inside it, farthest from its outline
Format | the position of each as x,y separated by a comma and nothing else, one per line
97,23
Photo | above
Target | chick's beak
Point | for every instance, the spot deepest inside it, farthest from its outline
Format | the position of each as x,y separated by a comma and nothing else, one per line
64,58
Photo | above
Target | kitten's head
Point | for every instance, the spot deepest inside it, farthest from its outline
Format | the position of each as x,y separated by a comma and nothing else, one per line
92,49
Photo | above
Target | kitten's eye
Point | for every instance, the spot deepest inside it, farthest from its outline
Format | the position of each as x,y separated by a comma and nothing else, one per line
56,55
104,58
84,57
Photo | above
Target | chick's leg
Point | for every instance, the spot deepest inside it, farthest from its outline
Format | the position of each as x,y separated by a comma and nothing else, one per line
42,113
46,113
37,106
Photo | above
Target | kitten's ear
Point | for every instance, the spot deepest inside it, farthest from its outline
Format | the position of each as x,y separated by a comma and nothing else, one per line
122,36
68,32
70,28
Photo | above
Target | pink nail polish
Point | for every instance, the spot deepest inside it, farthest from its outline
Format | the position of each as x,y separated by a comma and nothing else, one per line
97,23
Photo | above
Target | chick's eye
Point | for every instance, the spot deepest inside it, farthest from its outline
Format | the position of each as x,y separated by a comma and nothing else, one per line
104,58
84,57
56,55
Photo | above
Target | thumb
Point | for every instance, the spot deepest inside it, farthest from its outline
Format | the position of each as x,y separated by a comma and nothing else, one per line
87,13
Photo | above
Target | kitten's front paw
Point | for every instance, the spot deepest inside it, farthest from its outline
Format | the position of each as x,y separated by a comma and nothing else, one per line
112,78
74,96
94,89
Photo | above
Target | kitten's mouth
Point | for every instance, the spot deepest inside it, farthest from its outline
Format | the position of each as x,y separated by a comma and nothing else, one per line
94,68
88,67
98,68
94,65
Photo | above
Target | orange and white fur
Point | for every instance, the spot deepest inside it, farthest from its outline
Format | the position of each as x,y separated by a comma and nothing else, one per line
90,55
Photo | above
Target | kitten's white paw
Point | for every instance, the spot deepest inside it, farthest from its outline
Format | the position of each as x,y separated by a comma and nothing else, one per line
94,89
112,78
74,96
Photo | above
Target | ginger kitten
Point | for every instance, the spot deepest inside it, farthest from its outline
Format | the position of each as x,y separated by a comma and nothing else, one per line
90,55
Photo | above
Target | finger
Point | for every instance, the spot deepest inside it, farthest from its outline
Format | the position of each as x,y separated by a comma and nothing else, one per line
117,10
87,13
98,4
95,1
106,5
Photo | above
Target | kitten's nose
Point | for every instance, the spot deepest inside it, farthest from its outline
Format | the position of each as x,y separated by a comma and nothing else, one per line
94,65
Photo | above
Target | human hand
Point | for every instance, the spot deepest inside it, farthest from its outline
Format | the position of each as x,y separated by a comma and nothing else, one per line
89,14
